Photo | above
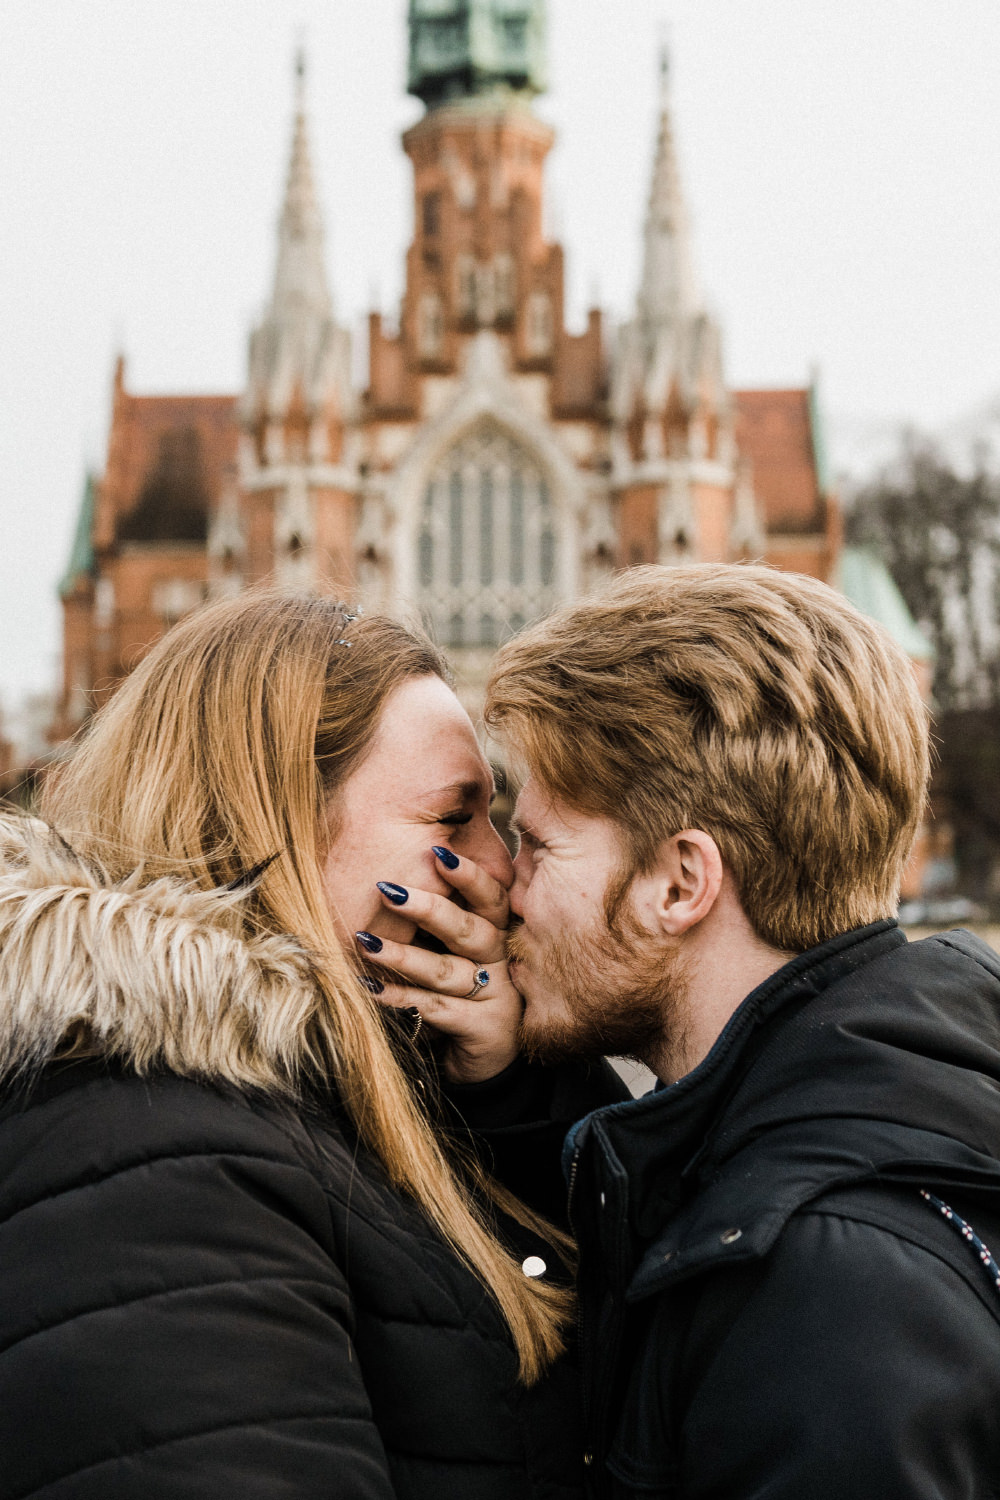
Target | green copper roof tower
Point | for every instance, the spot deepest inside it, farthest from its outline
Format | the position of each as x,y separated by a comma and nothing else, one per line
464,49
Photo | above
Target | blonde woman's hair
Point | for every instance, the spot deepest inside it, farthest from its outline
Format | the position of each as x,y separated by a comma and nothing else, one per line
757,705
226,747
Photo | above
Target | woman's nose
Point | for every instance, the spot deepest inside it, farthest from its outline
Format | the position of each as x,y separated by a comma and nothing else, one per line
494,857
520,885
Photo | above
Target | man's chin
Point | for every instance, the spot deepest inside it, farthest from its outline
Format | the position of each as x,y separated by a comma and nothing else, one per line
551,1040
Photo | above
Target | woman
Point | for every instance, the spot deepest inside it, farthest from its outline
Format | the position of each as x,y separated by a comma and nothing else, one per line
238,1258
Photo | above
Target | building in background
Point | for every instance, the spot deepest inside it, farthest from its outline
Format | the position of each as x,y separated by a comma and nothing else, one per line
25,744
7,760
494,463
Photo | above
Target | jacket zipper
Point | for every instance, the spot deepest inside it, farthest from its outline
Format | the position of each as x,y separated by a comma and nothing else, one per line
595,1411
574,1166
588,1455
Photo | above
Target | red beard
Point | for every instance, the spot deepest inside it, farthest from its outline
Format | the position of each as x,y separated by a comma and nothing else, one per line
622,994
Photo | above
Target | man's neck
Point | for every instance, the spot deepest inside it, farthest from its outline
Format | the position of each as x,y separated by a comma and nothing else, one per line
725,961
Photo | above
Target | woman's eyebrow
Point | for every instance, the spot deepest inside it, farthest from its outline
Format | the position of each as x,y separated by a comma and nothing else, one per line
464,789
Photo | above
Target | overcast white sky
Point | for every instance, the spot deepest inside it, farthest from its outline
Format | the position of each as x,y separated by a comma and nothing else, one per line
840,161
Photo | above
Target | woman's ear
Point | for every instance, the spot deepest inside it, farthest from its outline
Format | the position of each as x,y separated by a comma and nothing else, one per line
686,881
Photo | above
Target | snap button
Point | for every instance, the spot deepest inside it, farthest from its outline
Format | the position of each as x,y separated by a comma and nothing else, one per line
588,1459
669,1255
603,1200
534,1266
730,1236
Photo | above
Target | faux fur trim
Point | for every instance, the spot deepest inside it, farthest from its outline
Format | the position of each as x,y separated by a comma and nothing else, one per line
156,976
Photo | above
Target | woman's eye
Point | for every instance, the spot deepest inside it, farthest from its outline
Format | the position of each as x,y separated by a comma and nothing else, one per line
456,819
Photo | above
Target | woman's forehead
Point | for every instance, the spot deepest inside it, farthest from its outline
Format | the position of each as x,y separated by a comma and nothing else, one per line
425,744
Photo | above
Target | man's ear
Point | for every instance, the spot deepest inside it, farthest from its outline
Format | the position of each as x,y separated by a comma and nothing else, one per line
687,880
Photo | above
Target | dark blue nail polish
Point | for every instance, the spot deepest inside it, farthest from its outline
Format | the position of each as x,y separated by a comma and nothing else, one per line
449,860
372,985
369,941
397,894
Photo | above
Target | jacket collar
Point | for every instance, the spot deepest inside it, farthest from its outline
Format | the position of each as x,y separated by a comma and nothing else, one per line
828,1072
145,975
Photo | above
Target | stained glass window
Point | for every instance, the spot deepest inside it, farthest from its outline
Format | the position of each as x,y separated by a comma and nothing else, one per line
487,545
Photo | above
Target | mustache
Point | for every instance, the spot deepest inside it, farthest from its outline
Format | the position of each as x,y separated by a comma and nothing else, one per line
516,942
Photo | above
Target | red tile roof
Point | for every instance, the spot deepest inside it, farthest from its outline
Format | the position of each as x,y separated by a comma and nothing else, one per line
168,458
774,432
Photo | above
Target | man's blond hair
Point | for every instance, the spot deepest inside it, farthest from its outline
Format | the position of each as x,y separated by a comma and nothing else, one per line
756,705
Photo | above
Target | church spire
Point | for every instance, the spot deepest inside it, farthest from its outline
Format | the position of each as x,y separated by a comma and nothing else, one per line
668,293
290,349
300,285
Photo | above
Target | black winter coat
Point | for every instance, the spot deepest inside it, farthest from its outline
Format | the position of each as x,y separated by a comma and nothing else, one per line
208,1292
770,1307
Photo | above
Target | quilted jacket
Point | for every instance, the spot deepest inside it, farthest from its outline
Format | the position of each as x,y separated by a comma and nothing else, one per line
774,1304
209,1291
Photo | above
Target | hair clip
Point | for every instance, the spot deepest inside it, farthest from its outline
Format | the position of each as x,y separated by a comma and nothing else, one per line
250,878
349,616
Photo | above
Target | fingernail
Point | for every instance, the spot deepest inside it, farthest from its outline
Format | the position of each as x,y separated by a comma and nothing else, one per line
449,860
370,941
397,894
372,985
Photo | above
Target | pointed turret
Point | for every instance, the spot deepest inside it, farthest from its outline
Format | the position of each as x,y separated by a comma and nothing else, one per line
292,350
681,495
297,408
670,354
668,293
300,285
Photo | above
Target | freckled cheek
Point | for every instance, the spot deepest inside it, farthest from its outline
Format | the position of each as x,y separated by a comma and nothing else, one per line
392,925
354,912
548,906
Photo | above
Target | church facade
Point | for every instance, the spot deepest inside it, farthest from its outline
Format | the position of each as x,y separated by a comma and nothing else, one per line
494,463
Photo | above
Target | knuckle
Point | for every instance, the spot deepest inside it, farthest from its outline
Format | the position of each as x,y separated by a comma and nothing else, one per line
443,973
466,928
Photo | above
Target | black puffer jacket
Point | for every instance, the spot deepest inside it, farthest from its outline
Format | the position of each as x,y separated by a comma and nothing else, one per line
770,1307
204,1290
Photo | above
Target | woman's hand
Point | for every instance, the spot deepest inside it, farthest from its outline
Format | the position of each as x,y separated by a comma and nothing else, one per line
466,993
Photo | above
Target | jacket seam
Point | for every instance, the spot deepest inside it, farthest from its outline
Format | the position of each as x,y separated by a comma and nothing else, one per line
437,1324
359,1307
441,1462
164,1292
813,1212
187,1437
383,1225
909,1237
317,1164
957,948
83,1183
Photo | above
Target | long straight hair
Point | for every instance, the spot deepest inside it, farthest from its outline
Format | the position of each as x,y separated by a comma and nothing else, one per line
226,747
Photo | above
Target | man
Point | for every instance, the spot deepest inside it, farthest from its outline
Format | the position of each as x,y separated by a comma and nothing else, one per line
725,768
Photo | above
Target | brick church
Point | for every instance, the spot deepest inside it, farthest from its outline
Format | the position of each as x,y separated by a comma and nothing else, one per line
492,463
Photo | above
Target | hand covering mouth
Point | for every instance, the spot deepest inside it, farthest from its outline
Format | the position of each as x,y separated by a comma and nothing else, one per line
427,940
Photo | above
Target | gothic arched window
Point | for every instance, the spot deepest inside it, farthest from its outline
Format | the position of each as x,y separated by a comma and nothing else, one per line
487,542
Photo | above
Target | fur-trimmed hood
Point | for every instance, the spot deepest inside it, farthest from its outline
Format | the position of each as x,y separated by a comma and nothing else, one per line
155,975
